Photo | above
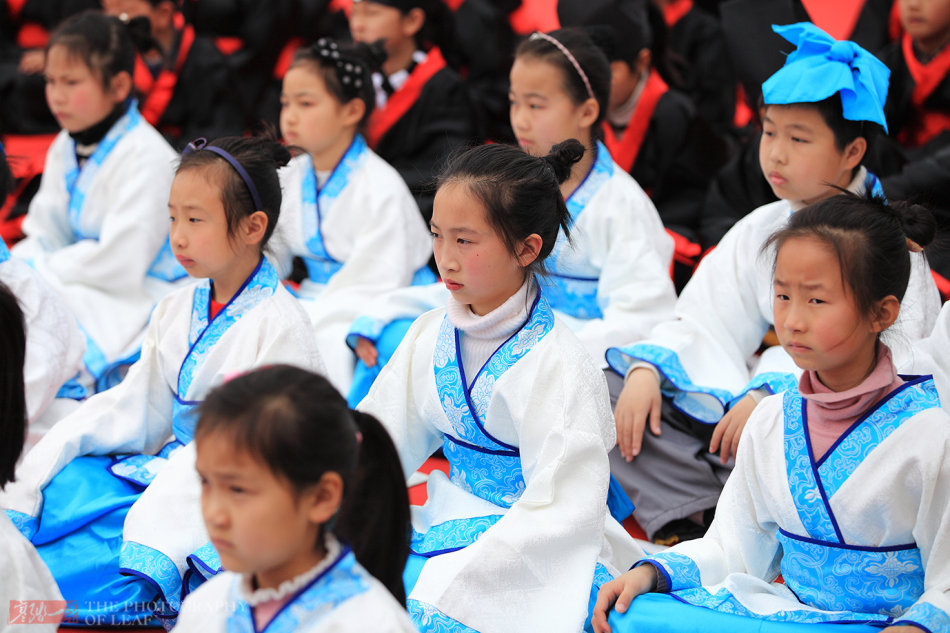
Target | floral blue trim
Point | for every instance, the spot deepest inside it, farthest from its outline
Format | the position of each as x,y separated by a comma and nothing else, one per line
364,327
451,535
805,486
601,575
494,475
774,381
78,180
704,404
428,619
321,266
165,266
724,602
883,581
569,289
874,427
149,563
927,617
27,525
338,583
72,389
140,470
4,251
681,571
206,560
203,335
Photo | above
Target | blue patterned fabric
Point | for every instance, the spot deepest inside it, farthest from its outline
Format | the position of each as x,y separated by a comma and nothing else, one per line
775,382
4,251
321,266
724,602
138,469
821,67
680,570
927,616
24,522
451,535
480,463
343,580
143,561
200,566
883,581
78,180
428,619
72,389
204,334
704,404
572,289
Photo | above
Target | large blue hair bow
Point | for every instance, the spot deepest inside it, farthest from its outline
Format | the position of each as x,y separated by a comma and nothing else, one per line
822,66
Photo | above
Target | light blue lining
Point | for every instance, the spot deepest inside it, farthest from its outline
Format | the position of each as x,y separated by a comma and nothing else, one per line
705,404
925,615
343,580
428,619
203,335
680,570
4,251
27,525
570,290
451,535
152,564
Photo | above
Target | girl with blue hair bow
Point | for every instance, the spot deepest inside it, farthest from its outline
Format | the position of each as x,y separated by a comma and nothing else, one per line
695,380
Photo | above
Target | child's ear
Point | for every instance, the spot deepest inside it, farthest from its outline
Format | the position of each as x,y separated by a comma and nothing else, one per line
529,249
413,22
353,111
643,61
120,86
854,152
325,498
887,310
253,227
589,110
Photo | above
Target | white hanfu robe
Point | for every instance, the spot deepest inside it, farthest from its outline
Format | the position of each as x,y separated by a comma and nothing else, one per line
704,354
510,541
859,534
360,235
25,586
98,235
932,356
151,415
614,284
54,347
342,598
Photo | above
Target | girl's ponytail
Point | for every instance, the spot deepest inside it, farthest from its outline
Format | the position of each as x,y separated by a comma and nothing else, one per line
562,157
917,222
374,518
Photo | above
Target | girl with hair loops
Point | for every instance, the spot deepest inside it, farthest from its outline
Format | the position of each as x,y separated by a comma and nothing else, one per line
112,487
833,487
305,504
95,230
346,212
613,283
513,538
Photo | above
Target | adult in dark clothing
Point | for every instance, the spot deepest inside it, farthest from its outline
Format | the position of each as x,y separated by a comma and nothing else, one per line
424,110
187,88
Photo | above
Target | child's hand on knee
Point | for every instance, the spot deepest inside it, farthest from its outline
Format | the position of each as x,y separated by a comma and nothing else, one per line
620,592
638,404
729,429
366,352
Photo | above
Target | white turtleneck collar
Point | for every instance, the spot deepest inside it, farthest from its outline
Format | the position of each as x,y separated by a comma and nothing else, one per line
480,336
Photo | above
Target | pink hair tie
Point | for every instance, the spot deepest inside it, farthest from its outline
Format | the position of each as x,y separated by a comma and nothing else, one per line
570,58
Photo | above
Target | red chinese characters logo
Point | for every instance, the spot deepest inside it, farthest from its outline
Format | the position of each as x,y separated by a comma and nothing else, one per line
39,611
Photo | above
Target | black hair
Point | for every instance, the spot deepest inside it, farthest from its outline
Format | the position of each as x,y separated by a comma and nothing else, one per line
438,29
6,177
364,56
590,58
260,156
521,193
13,416
294,422
103,43
845,131
869,238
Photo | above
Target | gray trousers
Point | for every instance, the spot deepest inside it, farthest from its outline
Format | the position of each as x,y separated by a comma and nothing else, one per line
674,475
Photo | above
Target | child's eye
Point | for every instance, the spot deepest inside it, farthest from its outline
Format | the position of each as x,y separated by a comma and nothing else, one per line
194,220
434,235
463,241
797,139
817,301
768,133
238,490
781,297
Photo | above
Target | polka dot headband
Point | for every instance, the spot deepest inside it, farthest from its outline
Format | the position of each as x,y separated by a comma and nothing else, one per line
351,72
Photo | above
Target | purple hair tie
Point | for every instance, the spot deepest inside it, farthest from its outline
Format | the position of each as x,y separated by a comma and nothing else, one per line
580,71
202,144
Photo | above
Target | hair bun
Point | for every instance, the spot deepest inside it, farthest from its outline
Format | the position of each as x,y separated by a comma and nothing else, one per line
917,222
563,156
373,55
